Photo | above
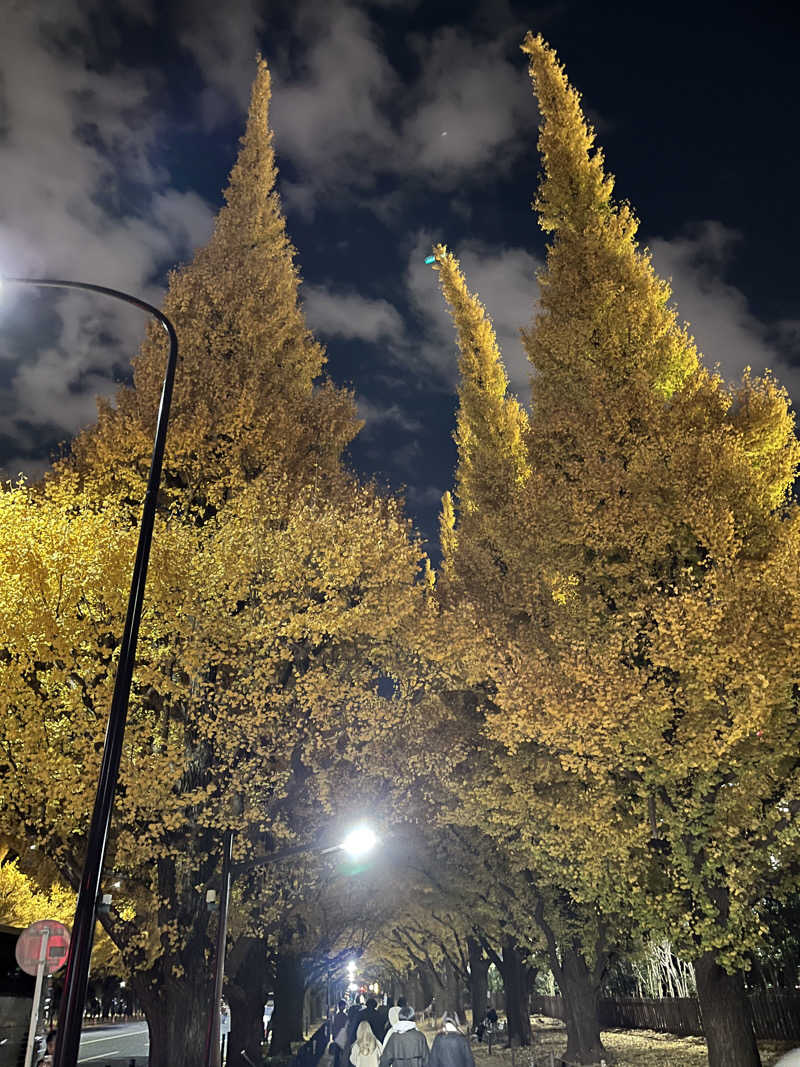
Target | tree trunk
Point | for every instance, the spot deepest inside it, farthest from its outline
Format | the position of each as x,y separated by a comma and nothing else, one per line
516,990
478,980
290,988
451,992
426,988
727,1020
177,1013
581,992
246,994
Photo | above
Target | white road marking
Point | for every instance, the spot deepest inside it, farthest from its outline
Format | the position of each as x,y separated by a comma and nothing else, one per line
113,1037
102,1056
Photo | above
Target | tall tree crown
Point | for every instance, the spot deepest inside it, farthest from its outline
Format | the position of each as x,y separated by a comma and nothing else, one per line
245,400
490,424
603,310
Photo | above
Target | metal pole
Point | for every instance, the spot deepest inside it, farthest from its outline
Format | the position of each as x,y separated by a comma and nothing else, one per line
76,978
37,996
212,1057
229,872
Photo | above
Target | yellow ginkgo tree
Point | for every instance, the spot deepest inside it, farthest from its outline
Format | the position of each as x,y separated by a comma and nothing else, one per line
275,586
632,593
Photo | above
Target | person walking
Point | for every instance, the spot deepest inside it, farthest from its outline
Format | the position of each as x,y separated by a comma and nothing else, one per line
372,1016
339,1019
366,1050
383,1016
405,1045
450,1047
339,1034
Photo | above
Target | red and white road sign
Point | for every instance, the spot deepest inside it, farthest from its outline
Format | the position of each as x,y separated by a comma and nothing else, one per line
29,945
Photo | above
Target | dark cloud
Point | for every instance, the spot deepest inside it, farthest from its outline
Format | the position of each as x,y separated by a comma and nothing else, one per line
471,108
75,141
727,333
504,278
346,116
333,313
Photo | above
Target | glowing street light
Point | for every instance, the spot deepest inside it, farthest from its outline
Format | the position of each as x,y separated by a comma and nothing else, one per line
359,841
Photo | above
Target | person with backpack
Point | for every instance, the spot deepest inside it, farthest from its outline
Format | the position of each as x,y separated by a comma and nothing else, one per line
450,1047
405,1046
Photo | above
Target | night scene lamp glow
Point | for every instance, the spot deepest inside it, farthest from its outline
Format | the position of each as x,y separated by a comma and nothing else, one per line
359,841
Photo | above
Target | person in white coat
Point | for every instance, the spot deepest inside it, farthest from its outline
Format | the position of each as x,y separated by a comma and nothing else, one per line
366,1050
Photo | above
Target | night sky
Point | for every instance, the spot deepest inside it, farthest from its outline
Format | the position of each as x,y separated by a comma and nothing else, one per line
397,123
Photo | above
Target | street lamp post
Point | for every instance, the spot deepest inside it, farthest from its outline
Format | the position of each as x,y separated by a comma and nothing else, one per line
357,843
77,973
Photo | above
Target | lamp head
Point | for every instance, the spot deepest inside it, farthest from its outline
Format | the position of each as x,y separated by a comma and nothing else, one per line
359,841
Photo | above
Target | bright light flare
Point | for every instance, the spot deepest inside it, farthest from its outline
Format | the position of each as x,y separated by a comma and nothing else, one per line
359,841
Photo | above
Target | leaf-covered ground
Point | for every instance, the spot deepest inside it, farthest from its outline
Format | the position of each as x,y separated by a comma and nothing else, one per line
628,1048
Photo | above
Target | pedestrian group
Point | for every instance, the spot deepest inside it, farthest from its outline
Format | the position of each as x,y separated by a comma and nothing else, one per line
370,1036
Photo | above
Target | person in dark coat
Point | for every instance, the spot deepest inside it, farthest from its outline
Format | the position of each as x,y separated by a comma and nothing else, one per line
405,1046
450,1047
339,1023
354,1017
339,1019
383,1014
371,1015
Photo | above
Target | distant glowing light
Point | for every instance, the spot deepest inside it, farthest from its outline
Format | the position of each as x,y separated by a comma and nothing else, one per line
353,987
360,841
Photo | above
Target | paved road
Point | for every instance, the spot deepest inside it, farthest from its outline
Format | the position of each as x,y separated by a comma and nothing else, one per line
120,1042
117,1044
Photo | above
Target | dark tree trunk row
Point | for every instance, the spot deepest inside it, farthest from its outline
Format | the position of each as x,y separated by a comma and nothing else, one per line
727,1019
478,979
515,983
581,990
246,992
451,992
177,1013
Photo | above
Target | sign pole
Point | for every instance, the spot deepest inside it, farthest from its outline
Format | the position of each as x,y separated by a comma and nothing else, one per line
37,997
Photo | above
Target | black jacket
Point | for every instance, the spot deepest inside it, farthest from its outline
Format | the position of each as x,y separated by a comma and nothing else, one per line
366,1016
409,1049
451,1050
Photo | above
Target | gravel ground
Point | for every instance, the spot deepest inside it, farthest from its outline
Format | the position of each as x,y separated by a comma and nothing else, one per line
628,1048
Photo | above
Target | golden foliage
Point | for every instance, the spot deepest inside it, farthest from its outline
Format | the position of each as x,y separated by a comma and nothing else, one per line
627,611
275,588
23,901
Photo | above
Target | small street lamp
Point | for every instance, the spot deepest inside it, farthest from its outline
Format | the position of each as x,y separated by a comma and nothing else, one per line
76,978
360,841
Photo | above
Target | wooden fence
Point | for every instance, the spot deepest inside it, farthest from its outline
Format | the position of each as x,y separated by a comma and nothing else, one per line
776,1016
